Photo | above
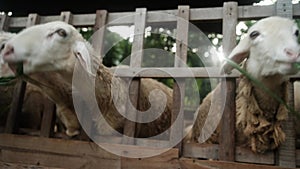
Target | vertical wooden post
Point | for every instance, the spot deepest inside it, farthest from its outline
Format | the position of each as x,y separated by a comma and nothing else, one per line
287,151
227,135
179,86
4,21
19,91
284,8
99,30
33,19
135,61
48,120
66,16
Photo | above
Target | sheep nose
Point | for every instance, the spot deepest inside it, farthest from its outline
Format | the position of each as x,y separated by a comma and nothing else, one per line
8,50
291,53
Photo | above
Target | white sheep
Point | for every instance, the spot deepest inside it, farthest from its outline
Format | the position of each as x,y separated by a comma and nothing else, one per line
269,52
33,104
53,87
57,46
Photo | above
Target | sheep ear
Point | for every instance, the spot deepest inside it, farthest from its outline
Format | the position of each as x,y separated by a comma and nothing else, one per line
238,54
82,54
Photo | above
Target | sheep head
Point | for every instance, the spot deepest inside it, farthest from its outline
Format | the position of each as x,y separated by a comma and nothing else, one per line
270,47
5,70
52,46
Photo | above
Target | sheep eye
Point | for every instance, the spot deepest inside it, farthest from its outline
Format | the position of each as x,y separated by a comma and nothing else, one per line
297,33
61,32
2,47
254,34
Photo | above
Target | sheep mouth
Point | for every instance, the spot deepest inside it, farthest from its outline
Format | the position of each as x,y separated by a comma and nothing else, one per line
14,66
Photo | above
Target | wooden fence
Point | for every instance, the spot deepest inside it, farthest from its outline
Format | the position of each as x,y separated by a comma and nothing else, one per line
16,149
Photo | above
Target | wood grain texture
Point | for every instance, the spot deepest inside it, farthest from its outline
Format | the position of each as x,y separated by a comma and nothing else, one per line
227,134
135,61
179,85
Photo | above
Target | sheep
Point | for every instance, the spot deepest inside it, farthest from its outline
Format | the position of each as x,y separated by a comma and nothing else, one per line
57,46
31,115
37,91
267,53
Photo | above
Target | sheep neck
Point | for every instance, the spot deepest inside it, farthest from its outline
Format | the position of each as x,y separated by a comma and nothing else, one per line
54,86
266,102
104,80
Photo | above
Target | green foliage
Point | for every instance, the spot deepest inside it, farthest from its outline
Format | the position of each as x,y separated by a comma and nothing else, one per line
159,51
116,49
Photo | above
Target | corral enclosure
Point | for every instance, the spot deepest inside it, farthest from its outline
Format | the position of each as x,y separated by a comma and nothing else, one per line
20,151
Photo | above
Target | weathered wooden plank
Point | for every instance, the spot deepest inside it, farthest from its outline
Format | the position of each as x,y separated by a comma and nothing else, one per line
168,160
32,19
227,134
152,142
4,165
179,86
127,18
190,72
162,16
136,151
50,145
99,29
48,120
139,142
57,160
163,72
110,139
18,22
135,61
138,39
203,151
255,12
208,164
245,155
84,19
121,18
16,107
284,8
205,14
4,22
131,113
66,16
287,151
210,151
37,158
45,19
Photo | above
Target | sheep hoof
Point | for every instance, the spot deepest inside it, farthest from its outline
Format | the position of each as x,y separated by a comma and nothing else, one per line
72,132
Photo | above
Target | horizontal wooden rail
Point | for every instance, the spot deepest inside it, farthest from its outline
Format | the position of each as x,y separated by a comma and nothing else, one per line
210,151
170,72
160,16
